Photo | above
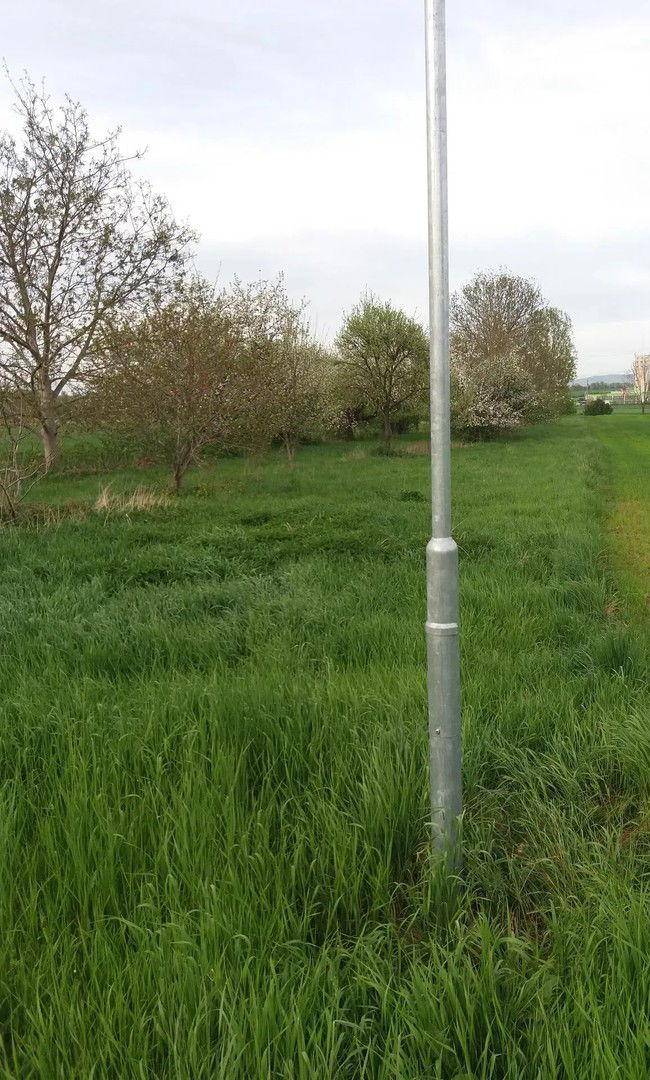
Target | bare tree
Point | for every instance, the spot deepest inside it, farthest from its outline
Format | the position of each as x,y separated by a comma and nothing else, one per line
202,368
79,241
382,359
280,355
641,379
171,377
491,316
548,357
500,321
301,393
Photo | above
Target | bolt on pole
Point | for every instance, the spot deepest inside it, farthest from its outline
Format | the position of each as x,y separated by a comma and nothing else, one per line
443,658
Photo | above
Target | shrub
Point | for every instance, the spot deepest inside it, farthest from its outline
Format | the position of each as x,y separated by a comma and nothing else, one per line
598,407
501,317
566,405
490,396
405,422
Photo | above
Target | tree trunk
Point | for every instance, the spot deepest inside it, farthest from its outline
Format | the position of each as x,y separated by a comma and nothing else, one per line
50,439
347,424
289,446
7,504
179,473
49,424
387,430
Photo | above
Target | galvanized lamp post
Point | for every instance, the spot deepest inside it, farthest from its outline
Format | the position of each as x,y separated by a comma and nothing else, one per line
442,553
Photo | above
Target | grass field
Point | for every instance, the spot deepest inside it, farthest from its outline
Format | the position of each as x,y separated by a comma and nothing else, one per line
213,841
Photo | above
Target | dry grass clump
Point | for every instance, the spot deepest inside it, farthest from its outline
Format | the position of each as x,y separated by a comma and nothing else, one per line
421,447
107,502
46,514
110,502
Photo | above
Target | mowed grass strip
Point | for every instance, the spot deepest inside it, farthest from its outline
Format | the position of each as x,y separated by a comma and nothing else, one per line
213,839
628,450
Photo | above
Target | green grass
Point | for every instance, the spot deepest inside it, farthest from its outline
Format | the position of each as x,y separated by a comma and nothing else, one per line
213,842
628,450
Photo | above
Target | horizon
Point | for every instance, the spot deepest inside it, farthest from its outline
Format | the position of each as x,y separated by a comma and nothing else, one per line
294,141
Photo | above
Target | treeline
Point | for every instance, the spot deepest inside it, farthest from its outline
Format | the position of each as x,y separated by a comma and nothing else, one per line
239,369
104,325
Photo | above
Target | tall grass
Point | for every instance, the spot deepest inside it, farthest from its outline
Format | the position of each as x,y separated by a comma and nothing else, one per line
213,841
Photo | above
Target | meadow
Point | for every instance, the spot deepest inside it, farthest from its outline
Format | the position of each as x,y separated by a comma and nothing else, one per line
214,857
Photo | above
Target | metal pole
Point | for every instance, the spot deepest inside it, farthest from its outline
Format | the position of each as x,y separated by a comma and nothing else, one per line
442,554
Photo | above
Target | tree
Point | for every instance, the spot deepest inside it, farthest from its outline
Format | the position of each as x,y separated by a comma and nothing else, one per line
300,389
641,379
549,357
294,370
232,369
492,316
382,360
506,339
80,241
171,378
280,355
291,370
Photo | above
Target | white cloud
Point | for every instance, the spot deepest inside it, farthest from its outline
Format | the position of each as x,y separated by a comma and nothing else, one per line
611,346
550,132
292,135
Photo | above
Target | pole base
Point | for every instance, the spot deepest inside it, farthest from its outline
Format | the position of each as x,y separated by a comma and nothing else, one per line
443,658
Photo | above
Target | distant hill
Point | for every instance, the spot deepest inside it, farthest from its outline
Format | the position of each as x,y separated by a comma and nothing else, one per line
619,377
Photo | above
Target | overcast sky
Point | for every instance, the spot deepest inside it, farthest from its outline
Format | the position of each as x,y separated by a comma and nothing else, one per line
291,134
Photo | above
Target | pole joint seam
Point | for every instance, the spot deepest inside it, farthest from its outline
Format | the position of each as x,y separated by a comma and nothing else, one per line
441,627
